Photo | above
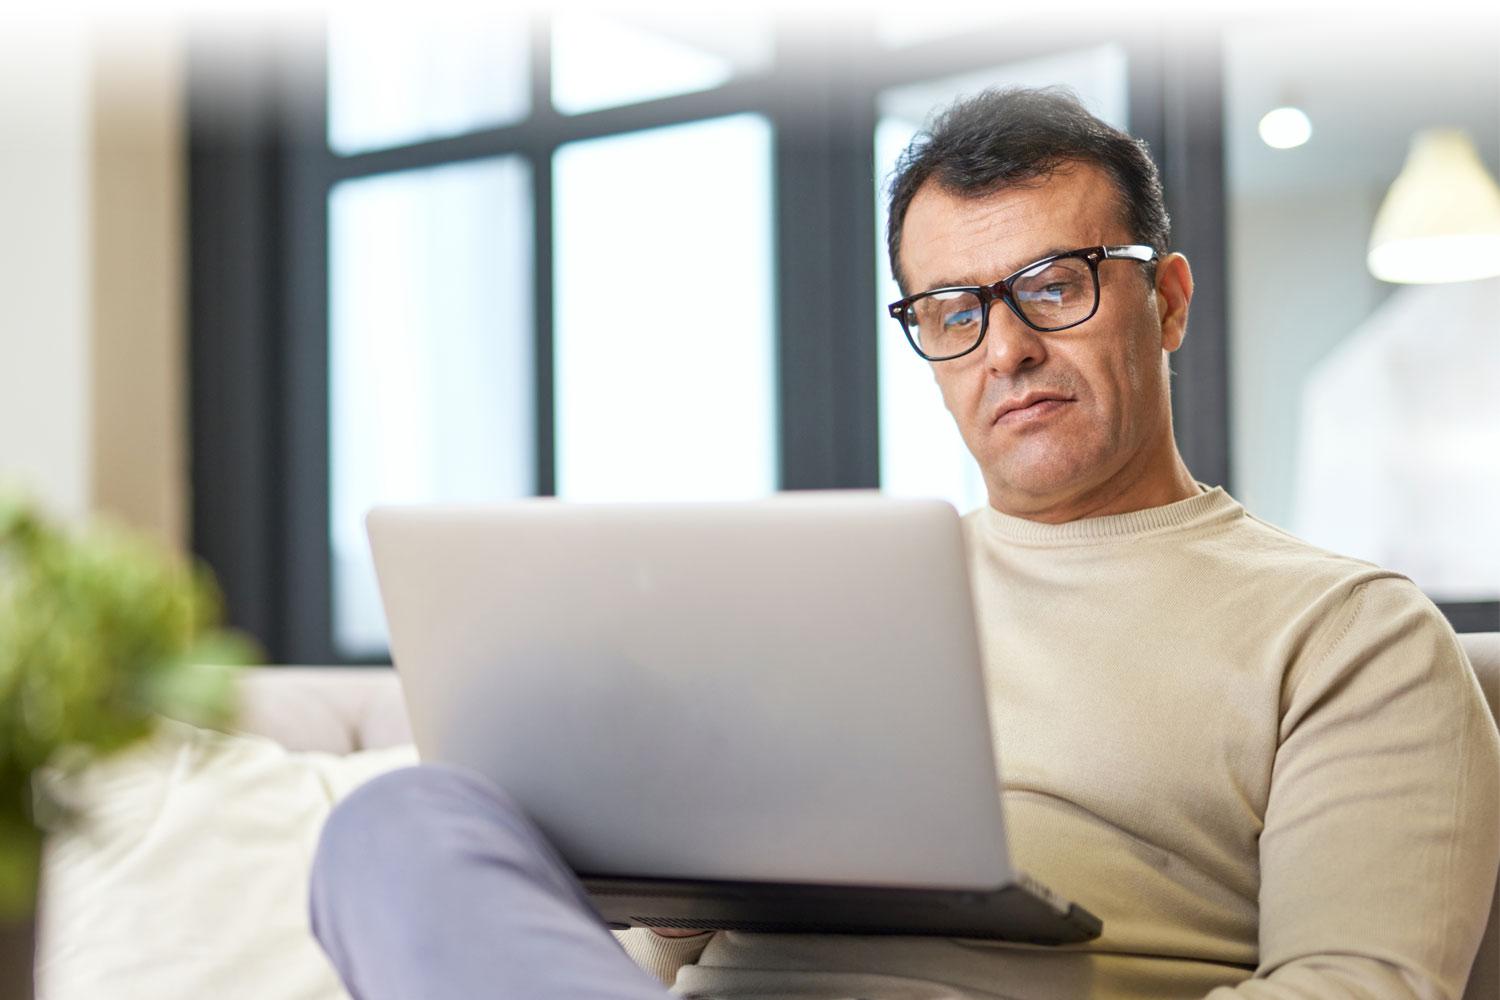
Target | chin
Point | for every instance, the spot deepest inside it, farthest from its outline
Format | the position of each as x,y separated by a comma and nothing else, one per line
1042,485
1045,476
1034,493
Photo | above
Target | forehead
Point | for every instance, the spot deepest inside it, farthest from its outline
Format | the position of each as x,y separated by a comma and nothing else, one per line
948,238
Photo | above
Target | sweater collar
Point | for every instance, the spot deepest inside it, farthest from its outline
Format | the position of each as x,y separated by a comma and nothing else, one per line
1210,505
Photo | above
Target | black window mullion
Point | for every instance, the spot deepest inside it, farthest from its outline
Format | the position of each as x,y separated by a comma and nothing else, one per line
854,247
233,149
1192,162
302,336
1472,616
805,294
540,153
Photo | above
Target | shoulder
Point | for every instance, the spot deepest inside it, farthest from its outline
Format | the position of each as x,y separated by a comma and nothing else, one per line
1262,546
1295,583
1378,640
1327,605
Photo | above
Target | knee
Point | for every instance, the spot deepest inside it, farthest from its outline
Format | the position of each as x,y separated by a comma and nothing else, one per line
380,844
401,814
410,802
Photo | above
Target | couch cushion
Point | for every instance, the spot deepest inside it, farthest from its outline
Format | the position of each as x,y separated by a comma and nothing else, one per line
1483,649
187,876
336,709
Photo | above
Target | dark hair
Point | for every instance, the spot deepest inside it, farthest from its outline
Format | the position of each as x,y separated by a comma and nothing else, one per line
998,138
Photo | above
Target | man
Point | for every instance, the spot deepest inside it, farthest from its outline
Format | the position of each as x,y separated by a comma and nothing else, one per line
1267,768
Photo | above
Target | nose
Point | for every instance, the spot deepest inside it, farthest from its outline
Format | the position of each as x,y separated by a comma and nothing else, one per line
1010,346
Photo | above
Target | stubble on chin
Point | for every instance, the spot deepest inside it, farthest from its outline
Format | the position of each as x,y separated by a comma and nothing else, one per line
1035,472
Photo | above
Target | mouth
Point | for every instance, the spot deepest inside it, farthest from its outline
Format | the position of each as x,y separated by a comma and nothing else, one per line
1032,406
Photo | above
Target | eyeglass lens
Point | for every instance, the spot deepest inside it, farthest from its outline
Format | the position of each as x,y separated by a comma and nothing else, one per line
1053,295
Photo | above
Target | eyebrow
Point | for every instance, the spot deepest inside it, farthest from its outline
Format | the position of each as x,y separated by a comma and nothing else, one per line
968,281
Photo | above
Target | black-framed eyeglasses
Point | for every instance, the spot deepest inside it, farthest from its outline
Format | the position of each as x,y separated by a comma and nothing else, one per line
1048,295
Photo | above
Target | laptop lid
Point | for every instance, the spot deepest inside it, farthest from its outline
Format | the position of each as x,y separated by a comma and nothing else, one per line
785,690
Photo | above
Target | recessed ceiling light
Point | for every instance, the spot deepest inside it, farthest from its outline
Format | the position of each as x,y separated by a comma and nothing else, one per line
1285,128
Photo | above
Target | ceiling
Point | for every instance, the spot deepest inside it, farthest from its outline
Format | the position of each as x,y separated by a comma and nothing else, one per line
1366,88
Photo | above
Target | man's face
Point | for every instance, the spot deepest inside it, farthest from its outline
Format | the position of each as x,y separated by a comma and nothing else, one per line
1057,421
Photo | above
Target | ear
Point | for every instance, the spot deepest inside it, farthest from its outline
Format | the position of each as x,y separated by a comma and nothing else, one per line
1174,292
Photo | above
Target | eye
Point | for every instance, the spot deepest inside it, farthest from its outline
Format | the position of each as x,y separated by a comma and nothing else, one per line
958,318
1055,284
948,312
1055,292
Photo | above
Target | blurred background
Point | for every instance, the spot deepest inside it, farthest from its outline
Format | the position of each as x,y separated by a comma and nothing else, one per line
263,271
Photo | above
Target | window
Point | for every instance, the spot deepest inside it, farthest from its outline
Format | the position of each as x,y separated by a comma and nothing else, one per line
665,359
433,373
399,77
609,60
430,337
486,273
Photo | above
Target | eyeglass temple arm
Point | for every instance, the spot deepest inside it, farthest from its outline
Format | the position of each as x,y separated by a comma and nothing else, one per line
1134,251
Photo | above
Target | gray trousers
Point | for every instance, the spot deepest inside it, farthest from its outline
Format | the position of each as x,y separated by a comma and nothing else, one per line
430,884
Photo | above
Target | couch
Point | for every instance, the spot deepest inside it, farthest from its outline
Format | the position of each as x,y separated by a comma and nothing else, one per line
305,736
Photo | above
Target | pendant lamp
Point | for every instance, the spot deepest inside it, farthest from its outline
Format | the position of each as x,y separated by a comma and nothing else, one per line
1440,221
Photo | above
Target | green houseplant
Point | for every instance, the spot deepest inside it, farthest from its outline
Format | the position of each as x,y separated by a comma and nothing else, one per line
101,632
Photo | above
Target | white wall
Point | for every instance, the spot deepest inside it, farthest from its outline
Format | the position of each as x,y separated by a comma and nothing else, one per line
1287,312
92,355
45,265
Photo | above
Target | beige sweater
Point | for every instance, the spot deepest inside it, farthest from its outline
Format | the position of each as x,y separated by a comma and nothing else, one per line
1268,769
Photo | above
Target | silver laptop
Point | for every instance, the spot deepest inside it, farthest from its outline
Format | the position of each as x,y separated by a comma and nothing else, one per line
763,716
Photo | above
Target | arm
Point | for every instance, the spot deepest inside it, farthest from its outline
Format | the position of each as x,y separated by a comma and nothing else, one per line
1379,850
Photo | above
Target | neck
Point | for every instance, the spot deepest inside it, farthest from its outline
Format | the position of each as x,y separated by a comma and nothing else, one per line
1150,484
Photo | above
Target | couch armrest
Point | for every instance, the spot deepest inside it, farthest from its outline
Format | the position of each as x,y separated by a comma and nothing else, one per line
333,709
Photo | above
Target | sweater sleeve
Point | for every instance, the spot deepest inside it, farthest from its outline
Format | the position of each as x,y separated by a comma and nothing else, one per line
1379,850
661,956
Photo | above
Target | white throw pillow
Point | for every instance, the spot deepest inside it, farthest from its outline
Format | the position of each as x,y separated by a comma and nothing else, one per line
187,873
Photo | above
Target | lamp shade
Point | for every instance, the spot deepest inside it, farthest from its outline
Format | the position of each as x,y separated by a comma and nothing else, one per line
1440,221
